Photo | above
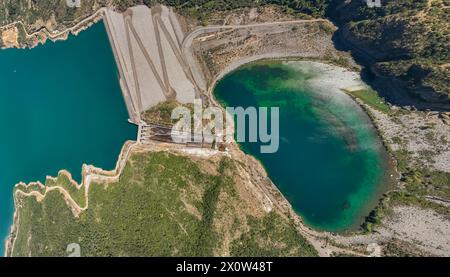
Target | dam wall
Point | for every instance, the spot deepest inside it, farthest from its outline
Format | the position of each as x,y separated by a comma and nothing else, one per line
147,48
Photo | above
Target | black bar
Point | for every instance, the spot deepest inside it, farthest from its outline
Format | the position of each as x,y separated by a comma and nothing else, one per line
224,266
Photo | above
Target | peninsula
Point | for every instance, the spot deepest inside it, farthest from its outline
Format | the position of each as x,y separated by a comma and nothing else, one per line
170,199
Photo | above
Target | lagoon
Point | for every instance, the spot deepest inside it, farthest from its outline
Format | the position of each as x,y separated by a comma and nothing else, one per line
60,107
331,164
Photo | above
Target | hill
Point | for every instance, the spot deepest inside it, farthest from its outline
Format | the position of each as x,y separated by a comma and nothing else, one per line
405,41
163,204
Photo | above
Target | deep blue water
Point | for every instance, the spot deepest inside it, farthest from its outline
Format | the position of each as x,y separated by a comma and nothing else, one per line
60,106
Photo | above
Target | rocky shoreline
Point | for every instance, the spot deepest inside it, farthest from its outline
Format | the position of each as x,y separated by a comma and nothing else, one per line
43,34
408,129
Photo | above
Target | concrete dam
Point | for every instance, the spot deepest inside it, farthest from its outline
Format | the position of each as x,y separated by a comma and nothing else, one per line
147,45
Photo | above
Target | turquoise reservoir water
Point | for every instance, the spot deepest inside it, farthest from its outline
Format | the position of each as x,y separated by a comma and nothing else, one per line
60,106
330,165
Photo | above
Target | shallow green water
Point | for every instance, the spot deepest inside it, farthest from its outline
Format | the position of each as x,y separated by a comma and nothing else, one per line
330,165
60,106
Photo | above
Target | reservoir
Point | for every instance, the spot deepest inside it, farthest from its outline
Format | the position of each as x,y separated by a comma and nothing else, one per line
331,164
60,107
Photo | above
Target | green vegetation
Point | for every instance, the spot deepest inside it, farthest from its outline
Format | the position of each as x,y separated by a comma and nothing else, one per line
421,181
418,183
162,112
407,40
259,241
63,181
399,248
377,215
371,98
202,9
13,10
205,240
400,198
163,205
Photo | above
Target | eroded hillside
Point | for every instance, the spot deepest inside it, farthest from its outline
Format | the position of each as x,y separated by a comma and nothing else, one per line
405,40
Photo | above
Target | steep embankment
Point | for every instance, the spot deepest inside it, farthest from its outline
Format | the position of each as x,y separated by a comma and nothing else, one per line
404,43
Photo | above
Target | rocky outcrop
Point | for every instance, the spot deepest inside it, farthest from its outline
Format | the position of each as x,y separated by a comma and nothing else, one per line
399,44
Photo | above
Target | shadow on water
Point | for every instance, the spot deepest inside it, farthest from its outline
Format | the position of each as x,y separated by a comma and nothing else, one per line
339,126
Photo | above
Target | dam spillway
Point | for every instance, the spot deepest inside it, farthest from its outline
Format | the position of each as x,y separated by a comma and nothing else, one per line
147,45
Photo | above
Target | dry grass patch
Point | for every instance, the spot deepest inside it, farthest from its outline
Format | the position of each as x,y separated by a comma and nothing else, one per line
10,37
